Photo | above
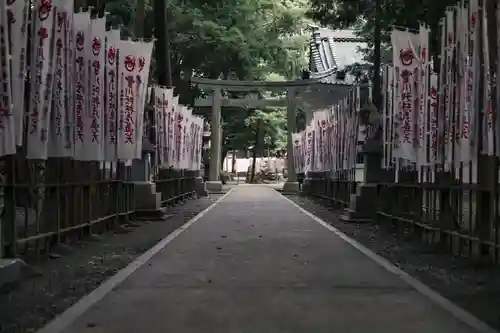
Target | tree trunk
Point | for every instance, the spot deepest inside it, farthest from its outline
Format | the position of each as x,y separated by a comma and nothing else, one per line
254,153
233,165
377,53
139,19
161,46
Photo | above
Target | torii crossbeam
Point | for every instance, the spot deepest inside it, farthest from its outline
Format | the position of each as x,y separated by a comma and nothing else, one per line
293,88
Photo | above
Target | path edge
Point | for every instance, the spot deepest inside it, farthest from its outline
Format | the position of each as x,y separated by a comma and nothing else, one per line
62,321
458,312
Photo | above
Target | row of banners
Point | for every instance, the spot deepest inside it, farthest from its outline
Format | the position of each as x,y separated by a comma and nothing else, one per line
87,90
441,119
330,141
430,122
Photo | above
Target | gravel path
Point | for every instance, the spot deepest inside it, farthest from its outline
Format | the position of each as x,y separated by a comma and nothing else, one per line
62,281
471,285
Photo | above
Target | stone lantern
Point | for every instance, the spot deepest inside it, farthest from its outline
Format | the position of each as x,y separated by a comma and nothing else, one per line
362,206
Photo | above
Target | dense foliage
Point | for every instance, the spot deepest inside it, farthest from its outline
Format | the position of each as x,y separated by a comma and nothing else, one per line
237,39
245,39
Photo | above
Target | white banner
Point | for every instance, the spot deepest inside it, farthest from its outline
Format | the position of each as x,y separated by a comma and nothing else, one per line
309,164
172,132
145,50
18,36
192,138
188,141
329,138
163,98
8,125
159,125
423,112
488,128
94,126
319,119
130,87
434,135
183,132
70,77
466,104
497,125
336,165
475,35
42,62
199,144
196,142
406,65
60,135
112,95
81,40
449,139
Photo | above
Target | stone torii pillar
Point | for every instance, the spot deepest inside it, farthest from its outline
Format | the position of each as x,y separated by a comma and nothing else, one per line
291,184
214,183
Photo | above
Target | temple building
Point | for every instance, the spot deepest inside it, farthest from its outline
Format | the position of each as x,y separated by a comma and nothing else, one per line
336,51
339,50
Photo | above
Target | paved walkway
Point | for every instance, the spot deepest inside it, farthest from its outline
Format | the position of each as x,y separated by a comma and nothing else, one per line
255,263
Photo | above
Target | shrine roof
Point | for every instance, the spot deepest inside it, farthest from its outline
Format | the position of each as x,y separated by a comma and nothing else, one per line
335,49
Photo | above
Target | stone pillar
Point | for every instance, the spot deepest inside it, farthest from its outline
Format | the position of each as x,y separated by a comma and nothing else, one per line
147,200
291,185
220,146
141,169
214,184
363,203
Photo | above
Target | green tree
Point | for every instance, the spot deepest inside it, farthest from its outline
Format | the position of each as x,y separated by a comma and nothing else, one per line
239,39
240,126
232,39
244,39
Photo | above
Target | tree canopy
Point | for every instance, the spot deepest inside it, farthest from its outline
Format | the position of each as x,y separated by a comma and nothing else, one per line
244,39
237,39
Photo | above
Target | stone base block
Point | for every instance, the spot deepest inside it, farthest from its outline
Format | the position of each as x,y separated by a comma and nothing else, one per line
148,202
291,187
362,205
146,197
214,186
11,270
306,186
350,215
201,190
158,214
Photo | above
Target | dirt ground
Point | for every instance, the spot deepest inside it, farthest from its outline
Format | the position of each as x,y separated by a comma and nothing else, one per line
62,280
469,284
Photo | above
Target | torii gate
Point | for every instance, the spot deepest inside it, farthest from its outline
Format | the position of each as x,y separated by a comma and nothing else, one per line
294,90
